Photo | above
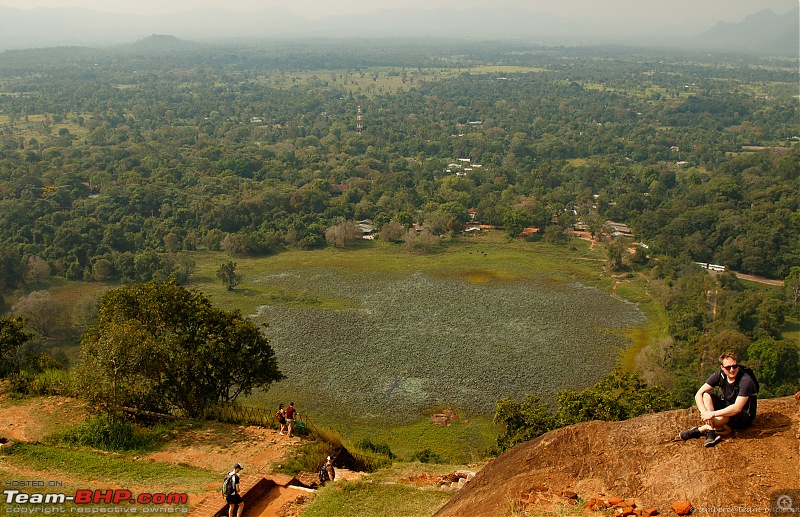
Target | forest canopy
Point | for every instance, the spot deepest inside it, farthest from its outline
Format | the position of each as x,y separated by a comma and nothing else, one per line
112,163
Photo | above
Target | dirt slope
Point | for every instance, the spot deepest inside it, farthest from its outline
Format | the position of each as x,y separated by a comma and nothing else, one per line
640,459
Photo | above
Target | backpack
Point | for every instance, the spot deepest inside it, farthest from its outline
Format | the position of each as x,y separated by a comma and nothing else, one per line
323,474
750,407
227,485
279,416
752,375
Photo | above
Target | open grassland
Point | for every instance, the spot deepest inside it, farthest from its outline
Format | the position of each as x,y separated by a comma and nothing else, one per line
463,441
367,499
86,466
791,330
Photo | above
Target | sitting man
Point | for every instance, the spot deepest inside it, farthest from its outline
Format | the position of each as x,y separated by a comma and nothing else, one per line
736,407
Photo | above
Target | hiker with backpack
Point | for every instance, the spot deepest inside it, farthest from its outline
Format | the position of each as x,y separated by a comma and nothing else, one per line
736,407
281,417
230,490
327,472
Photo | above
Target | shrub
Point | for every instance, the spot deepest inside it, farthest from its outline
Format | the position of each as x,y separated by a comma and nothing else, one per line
110,434
618,396
365,444
52,382
426,456
20,382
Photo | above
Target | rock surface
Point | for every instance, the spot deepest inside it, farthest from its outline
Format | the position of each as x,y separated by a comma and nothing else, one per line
643,462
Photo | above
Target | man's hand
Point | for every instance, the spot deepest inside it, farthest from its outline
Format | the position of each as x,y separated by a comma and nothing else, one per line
707,416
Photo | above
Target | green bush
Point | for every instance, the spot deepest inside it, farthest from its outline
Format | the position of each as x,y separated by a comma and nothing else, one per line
52,382
313,452
110,434
426,456
20,382
617,396
367,445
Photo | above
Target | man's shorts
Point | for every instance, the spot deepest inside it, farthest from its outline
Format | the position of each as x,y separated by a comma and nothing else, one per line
740,420
234,499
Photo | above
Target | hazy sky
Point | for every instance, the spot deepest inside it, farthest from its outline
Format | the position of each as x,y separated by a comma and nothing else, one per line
695,13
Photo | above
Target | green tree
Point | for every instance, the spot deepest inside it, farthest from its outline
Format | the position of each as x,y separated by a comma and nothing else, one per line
228,275
618,396
776,362
616,252
12,337
523,421
162,347
516,220
12,268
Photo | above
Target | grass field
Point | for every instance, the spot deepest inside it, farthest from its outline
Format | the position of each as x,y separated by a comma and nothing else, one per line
86,466
367,499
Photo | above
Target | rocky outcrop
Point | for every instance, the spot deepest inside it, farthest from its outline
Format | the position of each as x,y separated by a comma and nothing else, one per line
643,462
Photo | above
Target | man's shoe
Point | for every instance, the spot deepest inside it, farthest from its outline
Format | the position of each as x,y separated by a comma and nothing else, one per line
694,432
711,438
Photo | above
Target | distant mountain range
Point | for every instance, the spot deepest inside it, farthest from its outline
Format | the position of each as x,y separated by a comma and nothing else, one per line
47,27
761,32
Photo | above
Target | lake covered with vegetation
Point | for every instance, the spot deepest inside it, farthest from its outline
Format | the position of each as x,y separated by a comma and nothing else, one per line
401,344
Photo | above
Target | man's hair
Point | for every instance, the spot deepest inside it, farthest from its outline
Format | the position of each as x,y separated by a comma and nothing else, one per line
728,355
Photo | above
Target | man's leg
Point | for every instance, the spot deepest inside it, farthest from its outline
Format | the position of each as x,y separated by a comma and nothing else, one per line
231,509
241,509
289,424
718,423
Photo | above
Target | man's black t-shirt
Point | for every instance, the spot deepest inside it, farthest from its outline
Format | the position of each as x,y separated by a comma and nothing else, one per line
743,386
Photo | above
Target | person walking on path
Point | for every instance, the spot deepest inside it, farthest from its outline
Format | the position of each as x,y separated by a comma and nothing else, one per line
281,416
291,413
234,500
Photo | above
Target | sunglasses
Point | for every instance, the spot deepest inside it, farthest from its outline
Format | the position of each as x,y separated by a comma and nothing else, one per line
731,367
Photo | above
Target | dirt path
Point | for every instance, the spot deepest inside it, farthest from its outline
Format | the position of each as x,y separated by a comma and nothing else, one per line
759,279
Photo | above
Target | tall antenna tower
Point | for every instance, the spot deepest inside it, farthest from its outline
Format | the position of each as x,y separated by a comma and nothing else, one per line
359,125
